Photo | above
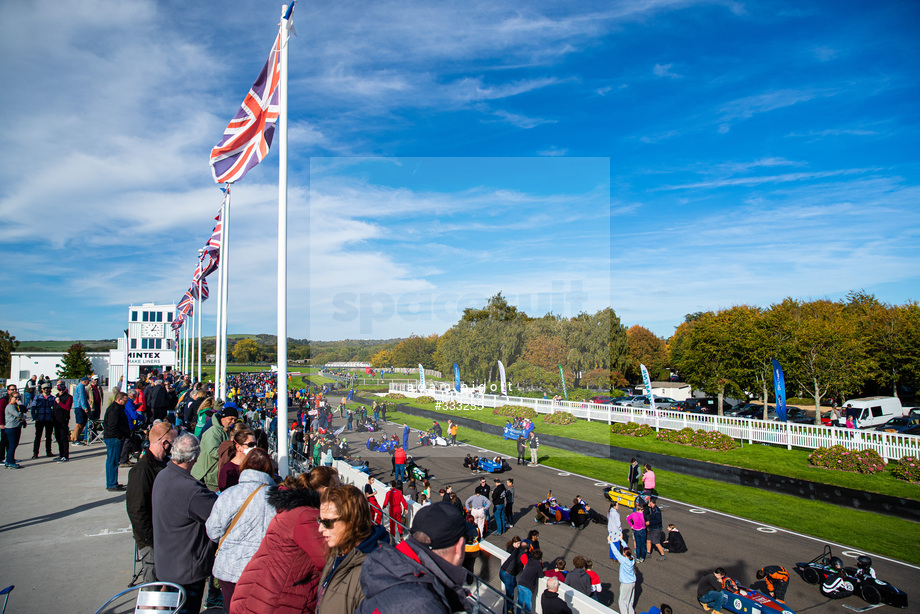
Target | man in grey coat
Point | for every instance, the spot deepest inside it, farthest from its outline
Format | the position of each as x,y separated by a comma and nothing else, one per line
181,506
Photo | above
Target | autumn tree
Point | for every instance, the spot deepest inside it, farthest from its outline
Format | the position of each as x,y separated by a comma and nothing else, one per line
75,363
826,350
707,356
892,337
545,351
245,350
383,358
414,351
645,348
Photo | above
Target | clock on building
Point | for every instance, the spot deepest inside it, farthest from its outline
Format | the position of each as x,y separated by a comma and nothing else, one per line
152,329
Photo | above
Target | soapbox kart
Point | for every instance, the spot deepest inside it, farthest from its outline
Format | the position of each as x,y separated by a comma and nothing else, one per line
871,590
624,496
551,507
743,600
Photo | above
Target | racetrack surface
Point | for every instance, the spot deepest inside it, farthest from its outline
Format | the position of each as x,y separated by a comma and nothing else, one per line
713,539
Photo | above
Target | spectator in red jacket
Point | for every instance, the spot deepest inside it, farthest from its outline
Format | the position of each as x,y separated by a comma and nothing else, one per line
399,458
283,575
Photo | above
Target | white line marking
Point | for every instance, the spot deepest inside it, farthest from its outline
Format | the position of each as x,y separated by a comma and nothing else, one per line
108,532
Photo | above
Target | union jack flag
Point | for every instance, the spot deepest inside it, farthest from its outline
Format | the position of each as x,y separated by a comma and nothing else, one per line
186,305
248,136
212,247
204,290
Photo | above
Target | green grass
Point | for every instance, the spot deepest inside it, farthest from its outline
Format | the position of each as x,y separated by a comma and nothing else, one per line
889,535
773,459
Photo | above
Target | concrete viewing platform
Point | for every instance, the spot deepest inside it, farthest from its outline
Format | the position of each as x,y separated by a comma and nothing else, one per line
66,541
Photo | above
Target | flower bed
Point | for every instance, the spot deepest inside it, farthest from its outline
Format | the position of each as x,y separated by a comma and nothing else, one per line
425,399
908,469
842,459
632,429
559,417
515,411
395,395
709,440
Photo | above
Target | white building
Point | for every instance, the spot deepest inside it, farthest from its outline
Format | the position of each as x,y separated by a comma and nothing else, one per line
26,364
150,342
150,347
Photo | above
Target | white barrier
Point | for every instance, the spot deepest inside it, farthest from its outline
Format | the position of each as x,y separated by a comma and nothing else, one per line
580,603
888,445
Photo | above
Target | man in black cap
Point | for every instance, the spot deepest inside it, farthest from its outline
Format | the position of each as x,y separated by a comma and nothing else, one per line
423,573
206,468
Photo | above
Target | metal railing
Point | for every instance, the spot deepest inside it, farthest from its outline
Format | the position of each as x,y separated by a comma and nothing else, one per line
809,436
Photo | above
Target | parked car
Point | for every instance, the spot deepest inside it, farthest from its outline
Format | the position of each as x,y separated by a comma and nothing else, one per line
642,400
626,401
899,424
601,400
914,412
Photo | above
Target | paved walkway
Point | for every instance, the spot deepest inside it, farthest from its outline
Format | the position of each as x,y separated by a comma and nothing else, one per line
66,542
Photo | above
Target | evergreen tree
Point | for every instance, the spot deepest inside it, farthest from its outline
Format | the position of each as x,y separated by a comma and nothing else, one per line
75,363
8,344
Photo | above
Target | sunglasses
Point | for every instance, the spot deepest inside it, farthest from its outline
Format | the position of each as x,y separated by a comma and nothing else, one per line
249,444
327,523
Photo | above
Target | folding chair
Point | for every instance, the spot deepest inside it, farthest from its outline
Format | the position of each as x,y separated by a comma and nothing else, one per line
154,599
6,591
96,428
138,567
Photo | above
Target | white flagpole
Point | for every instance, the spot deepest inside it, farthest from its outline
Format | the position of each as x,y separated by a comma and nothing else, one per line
220,293
282,249
201,270
185,352
183,348
225,260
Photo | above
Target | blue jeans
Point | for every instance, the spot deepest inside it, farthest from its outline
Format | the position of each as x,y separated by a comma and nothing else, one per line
640,543
524,598
510,582
400,473
500,518
714,599
112,454
12,440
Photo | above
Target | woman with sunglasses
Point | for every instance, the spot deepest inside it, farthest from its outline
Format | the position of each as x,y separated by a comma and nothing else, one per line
283,575
345,524
239,542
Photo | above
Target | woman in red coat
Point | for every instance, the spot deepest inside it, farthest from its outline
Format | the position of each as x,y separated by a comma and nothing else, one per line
395,505
283,575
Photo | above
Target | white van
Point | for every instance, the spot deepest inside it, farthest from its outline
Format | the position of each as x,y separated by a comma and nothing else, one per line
873,411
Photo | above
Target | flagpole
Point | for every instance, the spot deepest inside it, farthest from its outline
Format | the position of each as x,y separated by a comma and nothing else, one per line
200,265
282,246
220,294
225,260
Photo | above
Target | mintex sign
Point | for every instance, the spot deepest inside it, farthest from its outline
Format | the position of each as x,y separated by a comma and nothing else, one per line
155,357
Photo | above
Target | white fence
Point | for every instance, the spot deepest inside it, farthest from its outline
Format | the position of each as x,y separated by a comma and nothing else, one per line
789,434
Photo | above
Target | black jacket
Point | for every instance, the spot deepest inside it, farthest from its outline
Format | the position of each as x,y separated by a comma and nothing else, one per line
157,401
116,422
139,496
552,604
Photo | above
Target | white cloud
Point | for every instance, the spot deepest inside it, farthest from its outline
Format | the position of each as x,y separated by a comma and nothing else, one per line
664,70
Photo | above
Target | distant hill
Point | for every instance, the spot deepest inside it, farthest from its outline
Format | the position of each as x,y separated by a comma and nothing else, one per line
98,345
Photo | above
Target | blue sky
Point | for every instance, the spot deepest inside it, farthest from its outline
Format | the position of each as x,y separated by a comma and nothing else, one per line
659,156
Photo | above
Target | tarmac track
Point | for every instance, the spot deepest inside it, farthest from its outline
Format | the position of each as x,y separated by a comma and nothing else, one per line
714,539
65,542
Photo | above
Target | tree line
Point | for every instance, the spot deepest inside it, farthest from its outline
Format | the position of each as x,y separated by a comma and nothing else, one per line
827,349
